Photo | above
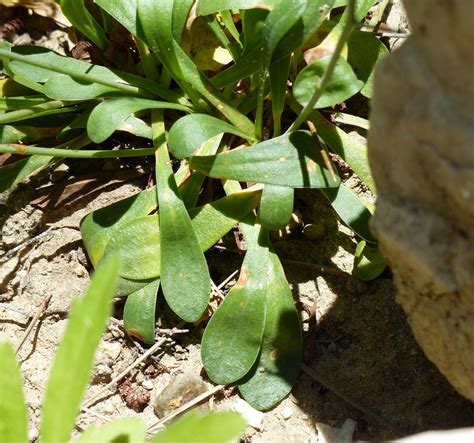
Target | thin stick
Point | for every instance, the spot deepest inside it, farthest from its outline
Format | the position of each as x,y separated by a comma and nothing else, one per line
119,377
185,407
28,242
349,400
39,312
323,151
228,279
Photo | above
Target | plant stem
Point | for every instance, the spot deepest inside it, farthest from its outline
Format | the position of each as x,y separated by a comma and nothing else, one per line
73,153
348,26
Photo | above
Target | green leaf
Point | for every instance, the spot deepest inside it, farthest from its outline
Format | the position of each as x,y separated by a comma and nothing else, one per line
213,427
305,27
206,7
278,365
64,87
125,12
352,210
233,337
15,173
364,51
278,80
137,242
75,356
81,18
139,313
98,227
156,19
185,278
111,114
292,160
125,430
342,85
13,416
40,65
24,134
191,131
276,206
369,263
351,151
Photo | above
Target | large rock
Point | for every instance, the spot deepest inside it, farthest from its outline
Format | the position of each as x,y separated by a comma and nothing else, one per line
422,155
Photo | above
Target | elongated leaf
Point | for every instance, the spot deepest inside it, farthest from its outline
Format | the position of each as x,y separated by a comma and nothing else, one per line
185,278
277,24
64,87
292,160
156,19
351,151
137,242
278,79
11,103
40,65
13,417
233,337
129,430
98,227
191,131
106,117
125,12
369,263
276,206
206,7
351,209
15,173
24,134
278,365
364,51
81,18
311,19
139,313
75,356
343,84
214,427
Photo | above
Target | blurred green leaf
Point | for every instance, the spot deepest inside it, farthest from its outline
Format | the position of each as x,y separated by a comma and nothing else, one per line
14,173
125,430
13,415
86,324
369,263
213,427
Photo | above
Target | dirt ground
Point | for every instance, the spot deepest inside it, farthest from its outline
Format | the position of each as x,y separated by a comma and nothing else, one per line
361,360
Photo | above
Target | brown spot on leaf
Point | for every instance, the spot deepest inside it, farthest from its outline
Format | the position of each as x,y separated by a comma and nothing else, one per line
243,278
310,166
274,355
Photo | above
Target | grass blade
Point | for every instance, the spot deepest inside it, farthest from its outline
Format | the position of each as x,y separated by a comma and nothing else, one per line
13,416
85,326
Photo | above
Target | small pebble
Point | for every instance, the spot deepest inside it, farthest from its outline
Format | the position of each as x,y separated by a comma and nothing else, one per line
287,412
59,173
253,417
147,384
79,270
314,231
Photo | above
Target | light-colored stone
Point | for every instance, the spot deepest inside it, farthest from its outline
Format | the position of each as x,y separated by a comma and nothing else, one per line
329,434
253,417
422,156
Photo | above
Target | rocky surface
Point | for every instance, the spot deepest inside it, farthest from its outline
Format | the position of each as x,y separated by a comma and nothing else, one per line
421,153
